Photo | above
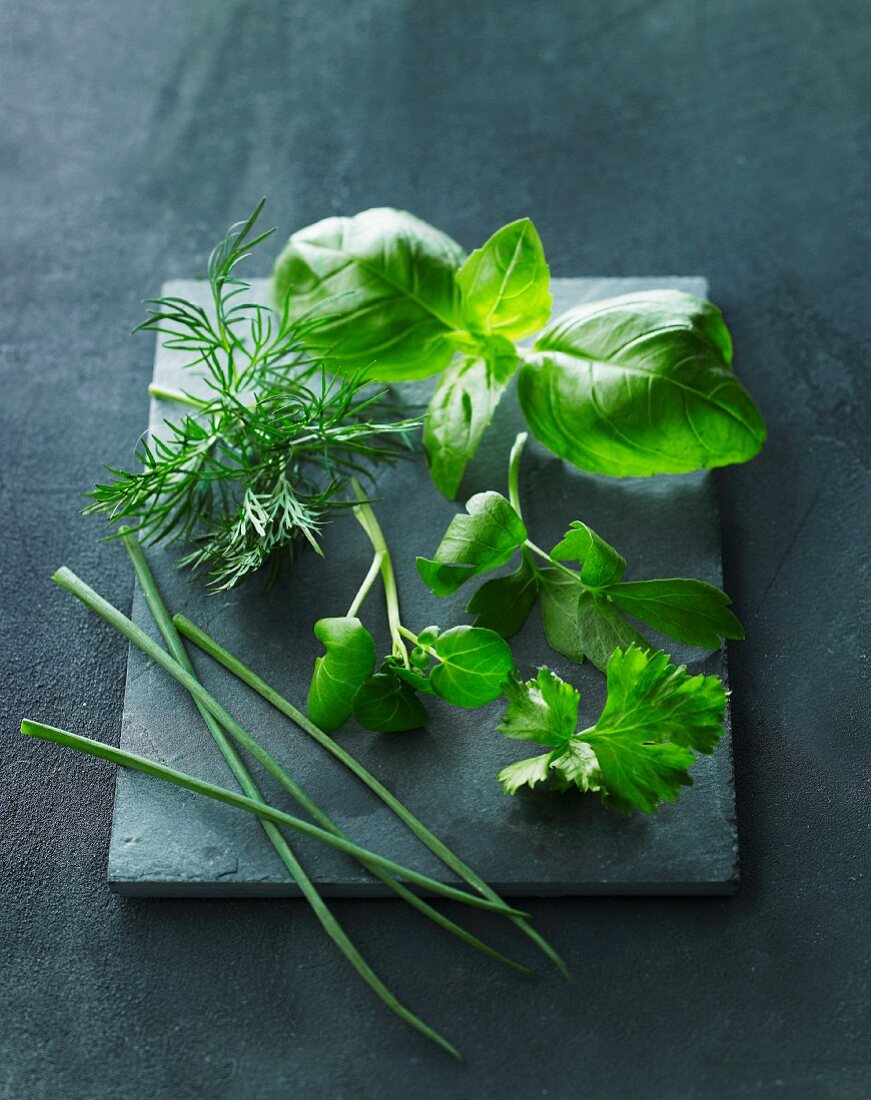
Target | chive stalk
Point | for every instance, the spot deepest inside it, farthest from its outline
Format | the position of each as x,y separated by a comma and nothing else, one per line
208,644
276,817
167,628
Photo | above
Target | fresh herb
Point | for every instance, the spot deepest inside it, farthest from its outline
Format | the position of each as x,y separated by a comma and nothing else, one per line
225,730
637,385
264,458
583,607
656,718
466,666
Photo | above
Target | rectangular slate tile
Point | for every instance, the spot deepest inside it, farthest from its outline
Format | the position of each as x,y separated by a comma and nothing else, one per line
165,841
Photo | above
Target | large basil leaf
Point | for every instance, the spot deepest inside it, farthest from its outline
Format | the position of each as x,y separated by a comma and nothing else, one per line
689,610
483,539
347,664
461,410
386,704
503,604
382,287
474,664
637,385
506,283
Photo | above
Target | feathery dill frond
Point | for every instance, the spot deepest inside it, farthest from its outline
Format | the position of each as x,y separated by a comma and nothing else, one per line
264,458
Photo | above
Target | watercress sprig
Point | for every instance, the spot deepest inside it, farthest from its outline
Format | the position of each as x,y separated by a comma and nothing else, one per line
584,605
464,665
636,385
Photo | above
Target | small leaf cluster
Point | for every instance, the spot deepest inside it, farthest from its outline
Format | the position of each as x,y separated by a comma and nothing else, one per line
464,665
584,608
639,384
656,718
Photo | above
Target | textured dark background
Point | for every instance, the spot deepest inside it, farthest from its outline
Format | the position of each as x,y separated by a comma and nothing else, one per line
722,137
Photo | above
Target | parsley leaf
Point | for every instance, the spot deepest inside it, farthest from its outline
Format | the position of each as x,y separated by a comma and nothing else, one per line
386,704
503,604
691,611
602,565
473,666
544,709
483,539
656,717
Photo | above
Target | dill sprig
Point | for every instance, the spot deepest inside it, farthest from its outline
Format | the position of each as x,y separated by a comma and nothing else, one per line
264,457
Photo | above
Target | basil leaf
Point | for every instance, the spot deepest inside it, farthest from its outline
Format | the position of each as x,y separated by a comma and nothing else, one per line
475,663
503,604
461,410
506,283
544,709
602,629
347,664
637,385
483,539
689,610
602,565
381,287
559,596
386,704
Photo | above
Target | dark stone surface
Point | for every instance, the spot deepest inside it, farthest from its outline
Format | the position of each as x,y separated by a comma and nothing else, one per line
642,138
163,844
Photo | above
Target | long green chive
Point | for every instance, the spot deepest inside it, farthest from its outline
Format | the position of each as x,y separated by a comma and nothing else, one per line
201,639
73,584
176,647
277,817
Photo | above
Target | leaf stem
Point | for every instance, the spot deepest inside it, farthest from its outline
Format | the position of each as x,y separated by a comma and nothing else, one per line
552,561
200,638
168,393
514,472
368,581
368,521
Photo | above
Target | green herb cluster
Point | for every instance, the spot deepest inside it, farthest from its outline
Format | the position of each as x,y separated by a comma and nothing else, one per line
637,385
266,454
584,607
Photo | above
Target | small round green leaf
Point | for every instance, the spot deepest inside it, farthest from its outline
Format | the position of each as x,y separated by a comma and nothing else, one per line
387,704
474,664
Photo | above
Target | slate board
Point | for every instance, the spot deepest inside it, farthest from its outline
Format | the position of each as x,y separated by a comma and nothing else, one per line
169,842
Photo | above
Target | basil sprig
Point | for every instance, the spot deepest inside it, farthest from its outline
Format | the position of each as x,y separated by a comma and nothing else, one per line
636,385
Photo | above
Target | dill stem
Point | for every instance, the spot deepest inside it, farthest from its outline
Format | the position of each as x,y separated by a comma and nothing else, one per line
168,393
368,581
